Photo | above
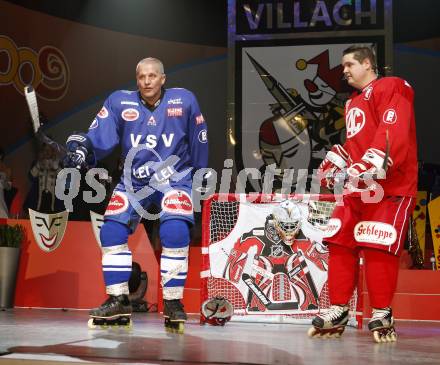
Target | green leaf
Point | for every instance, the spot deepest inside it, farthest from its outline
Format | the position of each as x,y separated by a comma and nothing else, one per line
12,236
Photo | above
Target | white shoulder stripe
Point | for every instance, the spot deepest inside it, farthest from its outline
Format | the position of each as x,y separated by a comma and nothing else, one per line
124,102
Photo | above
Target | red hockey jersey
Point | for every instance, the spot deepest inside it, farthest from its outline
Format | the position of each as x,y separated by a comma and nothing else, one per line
385,107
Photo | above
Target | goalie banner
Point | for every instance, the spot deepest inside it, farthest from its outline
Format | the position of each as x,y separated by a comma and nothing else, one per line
247,261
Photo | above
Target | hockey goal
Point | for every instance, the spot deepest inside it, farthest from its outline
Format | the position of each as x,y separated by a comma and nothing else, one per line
245,261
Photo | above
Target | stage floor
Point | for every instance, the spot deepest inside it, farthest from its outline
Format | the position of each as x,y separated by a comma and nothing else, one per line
36,336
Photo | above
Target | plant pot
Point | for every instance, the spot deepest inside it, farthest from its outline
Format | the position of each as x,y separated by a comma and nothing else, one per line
9,257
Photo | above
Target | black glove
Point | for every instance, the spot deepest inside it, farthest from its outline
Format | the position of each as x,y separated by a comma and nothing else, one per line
80,152
77,158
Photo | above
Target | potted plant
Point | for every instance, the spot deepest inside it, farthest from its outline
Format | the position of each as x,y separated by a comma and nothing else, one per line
11,238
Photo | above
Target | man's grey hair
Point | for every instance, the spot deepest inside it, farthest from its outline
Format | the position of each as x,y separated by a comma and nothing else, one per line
152,60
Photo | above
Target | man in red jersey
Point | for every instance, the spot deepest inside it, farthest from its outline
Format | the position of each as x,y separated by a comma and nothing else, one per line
379,160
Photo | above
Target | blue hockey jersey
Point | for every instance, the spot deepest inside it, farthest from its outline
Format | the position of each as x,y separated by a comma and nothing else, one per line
174,127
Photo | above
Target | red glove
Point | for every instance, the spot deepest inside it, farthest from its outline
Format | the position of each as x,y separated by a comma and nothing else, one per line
372,166
333,165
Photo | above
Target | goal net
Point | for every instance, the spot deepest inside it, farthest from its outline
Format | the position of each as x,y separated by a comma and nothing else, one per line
246,260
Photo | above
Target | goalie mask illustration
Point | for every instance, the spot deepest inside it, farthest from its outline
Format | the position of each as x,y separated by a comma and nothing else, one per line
216,311
287,221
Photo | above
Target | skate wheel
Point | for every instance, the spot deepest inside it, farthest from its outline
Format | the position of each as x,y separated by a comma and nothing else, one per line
383,337
391,337
312,332
180,328
171,330
125,323
90,324
175,327
377,337
325,334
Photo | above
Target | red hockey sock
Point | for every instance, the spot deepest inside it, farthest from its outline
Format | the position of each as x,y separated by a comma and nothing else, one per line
381,269
342,273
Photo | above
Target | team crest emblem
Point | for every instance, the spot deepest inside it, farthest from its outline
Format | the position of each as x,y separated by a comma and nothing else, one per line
355,121
48,229
97,221
276,251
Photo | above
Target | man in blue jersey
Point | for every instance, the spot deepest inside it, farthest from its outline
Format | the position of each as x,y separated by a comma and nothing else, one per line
163,137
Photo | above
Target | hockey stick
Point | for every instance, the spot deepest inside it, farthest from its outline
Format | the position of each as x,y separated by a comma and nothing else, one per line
387,152
249,281
304,268
31,100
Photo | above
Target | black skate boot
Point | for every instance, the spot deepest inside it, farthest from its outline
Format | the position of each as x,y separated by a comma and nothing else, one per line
382,325
330,324
115,311
174,315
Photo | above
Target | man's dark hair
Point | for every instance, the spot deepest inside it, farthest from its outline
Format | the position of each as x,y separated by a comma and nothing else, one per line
360,53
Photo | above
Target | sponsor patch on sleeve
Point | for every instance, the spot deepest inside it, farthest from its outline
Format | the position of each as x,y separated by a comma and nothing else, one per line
200,119
203,136
103,113
390,116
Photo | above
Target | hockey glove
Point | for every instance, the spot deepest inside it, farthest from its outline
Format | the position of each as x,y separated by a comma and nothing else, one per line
79,152
372,166
333,166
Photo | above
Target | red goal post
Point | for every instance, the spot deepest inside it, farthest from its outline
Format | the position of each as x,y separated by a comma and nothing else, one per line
286,287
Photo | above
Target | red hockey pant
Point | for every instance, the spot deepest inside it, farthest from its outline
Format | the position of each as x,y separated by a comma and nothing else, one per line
381,269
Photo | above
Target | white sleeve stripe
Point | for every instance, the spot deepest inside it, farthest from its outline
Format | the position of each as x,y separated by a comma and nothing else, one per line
343,153
336,160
